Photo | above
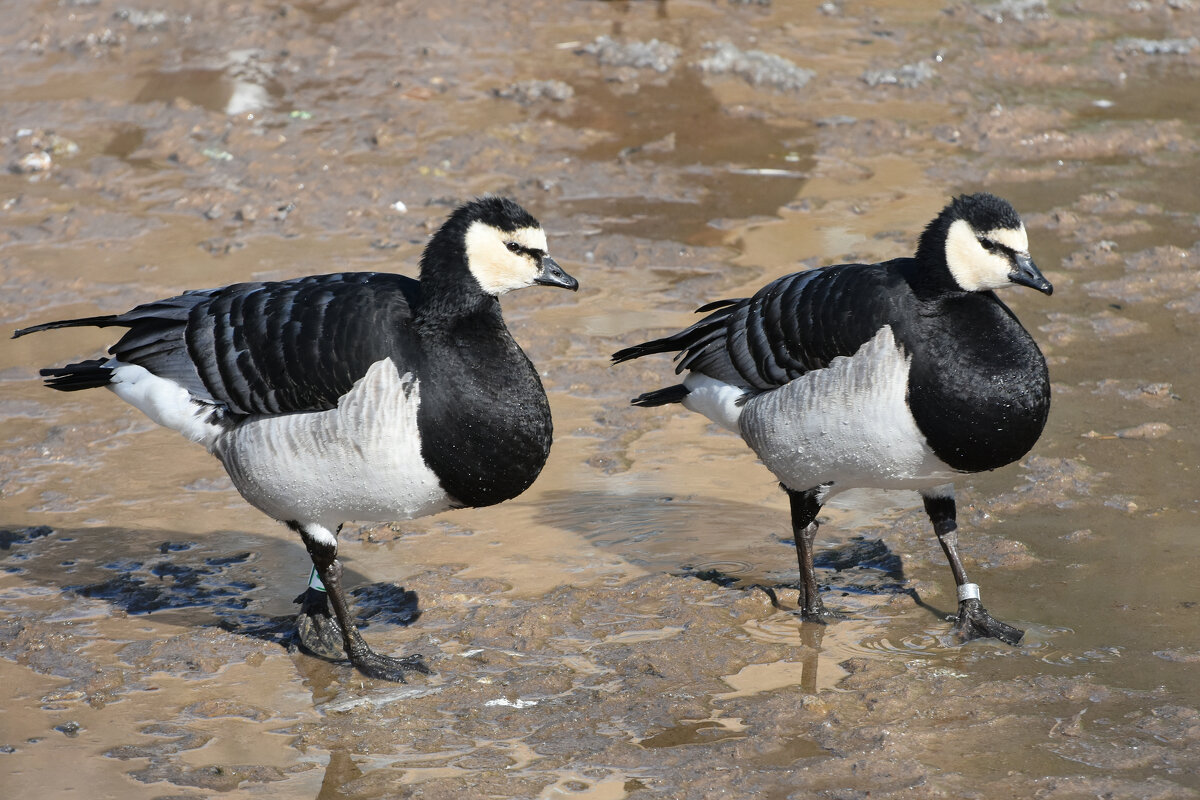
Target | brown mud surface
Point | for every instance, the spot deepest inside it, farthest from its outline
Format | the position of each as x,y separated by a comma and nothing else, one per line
598,637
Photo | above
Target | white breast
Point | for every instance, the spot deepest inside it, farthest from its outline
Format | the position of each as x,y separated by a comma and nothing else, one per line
359,461
847,424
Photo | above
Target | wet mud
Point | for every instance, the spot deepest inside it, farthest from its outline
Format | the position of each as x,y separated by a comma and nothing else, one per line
625,629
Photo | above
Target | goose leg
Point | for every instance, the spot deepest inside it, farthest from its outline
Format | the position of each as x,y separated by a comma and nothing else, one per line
974,622
805,507
322,548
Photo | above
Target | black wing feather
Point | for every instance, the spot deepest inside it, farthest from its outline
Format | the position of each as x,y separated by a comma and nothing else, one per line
300,345
791,326
262,347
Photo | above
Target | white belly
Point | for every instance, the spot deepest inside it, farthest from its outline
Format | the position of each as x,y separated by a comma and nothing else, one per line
359,461
847,425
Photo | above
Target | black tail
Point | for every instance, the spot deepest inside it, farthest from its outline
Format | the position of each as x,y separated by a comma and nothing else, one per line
661,397
85,374
686,339
83,322
74,377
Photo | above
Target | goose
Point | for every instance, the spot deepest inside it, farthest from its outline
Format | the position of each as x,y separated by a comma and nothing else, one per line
363,396
906,374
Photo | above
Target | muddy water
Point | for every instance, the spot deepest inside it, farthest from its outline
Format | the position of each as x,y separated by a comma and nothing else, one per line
597,637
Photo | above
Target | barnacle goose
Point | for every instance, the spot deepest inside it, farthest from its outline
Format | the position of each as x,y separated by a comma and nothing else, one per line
903,374
353,396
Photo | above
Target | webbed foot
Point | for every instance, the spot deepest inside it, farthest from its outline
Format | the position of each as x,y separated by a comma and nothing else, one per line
386,668
809,612
812,609
318,632
974,622
820,614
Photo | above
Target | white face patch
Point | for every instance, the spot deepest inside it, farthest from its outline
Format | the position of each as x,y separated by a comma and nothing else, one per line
1014,238
495,267
974,267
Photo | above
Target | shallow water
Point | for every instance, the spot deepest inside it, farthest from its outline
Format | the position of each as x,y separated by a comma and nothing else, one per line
601,636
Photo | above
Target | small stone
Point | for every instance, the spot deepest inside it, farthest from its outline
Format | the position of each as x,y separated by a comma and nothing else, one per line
60,146
908,76
526,92
1160,47
1147,430
756,67
143,20
39,161
70,729
655,55
1015,10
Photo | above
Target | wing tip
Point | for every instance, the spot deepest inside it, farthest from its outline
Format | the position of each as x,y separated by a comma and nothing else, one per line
661,397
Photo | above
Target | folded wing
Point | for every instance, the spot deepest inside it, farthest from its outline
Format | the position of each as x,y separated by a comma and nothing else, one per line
262,347
791,326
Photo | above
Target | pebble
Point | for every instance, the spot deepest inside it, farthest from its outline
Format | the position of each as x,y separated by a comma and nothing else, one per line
908,76
756,67
531,91
38,161
70,729
1160,47
1147,430
655,55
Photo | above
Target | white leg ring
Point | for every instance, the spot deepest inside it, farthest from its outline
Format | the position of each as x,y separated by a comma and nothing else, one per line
314,582
968,591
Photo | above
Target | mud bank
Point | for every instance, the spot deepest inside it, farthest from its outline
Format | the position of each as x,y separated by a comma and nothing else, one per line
600,637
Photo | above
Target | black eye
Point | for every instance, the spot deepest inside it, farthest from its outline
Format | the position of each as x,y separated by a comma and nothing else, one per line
513,247
989,245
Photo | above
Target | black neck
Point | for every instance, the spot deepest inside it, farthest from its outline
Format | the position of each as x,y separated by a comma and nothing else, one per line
448,290
927,273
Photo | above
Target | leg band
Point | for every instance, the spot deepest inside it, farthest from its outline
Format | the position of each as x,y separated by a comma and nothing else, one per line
968,591
314,581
